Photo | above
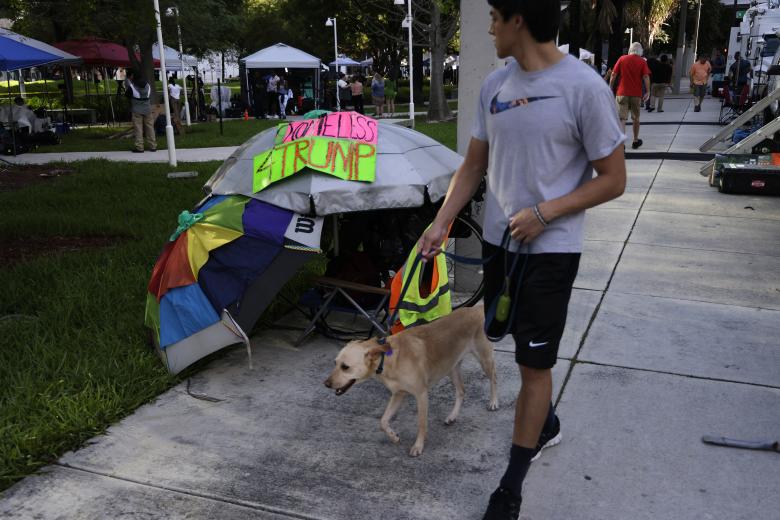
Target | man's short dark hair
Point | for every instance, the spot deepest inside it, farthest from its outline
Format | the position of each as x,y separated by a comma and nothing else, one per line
543,17
664,58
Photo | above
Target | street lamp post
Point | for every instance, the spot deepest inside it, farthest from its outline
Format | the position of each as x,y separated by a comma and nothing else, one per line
328,23
175,10
164,77
408,23
630,32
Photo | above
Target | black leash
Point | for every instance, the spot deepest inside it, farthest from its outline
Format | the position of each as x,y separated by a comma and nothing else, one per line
501,309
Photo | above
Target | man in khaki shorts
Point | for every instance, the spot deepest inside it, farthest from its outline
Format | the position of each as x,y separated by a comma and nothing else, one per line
631,73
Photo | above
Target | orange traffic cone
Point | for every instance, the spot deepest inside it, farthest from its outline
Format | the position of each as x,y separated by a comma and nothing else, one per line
246,115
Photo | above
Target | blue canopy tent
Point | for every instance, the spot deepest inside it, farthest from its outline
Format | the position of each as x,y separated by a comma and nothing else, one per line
18,52
15,55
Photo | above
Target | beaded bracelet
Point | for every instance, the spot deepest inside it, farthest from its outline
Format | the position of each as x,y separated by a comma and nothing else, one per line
539,215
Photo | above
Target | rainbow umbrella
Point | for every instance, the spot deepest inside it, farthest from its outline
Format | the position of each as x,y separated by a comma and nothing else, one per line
211,281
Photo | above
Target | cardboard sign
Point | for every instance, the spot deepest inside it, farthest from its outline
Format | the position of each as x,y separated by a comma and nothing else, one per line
342,144
338,125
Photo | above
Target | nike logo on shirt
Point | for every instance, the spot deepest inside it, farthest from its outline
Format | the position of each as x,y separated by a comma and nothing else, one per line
497,106
537,345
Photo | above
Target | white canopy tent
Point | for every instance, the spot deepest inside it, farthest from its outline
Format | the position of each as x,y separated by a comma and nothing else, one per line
172,61
283,56
279,56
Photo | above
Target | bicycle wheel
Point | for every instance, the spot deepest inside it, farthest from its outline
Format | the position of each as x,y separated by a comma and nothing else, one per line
466,281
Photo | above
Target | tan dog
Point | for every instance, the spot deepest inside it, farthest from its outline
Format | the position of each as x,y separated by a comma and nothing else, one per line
415,360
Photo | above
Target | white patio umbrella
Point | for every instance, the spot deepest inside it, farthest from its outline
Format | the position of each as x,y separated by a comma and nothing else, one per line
408,164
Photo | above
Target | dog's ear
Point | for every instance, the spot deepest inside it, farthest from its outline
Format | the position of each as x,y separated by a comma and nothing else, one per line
376,350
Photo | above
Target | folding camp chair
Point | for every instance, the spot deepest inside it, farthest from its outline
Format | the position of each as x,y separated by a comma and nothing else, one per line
731,105
331,289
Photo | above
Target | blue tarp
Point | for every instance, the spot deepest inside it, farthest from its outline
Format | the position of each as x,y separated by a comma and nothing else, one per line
15,55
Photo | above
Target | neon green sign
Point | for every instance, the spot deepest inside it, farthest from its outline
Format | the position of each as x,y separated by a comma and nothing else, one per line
345,159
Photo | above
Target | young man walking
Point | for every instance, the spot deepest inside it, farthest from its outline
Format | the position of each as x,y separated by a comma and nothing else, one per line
661,80
700,77
543,124
630,74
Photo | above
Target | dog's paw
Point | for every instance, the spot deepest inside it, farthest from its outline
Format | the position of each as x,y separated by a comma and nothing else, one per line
416,450
394,438
450,420
492,406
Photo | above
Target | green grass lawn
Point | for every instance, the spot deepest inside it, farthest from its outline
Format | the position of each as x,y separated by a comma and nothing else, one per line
74,357
204,135
199,135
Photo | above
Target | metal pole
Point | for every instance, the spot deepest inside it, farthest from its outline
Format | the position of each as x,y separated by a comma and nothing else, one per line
678,63
10,111
696,32
108,95
164,77
336,53
219,104
183,75
411,68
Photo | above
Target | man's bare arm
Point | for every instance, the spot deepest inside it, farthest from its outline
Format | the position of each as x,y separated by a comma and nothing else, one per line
462,187
609,183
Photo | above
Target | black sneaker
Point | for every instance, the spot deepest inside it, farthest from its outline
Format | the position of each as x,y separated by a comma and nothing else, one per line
548,439
503,505
636,144
650,109
137,151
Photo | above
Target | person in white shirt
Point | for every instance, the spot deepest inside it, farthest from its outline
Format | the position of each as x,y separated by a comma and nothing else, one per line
174,95
272,94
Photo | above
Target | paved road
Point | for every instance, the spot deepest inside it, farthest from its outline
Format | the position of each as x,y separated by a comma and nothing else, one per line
673,334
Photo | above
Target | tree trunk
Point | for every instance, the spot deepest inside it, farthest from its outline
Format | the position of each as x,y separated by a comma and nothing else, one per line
147,68
417,57
438,109
616,38
575,41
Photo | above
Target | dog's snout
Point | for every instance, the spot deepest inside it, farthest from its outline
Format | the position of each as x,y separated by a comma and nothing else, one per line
328,383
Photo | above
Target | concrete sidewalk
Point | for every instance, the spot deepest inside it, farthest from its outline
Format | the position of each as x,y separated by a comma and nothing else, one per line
672,334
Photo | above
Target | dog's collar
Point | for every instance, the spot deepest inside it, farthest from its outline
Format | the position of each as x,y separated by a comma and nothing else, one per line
381,366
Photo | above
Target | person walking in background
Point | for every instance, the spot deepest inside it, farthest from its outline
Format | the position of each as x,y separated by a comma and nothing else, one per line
139,92
120,75
281,97
543,123
174,95
652,64
272,94
661,80
345,94
630,75
378,94
700,78
357,94
739,72
390,93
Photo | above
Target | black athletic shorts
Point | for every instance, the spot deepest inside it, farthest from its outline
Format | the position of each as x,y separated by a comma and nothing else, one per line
539,316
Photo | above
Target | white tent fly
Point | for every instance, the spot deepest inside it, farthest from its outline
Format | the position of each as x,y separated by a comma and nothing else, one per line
172,61
585,55
279,56
282,56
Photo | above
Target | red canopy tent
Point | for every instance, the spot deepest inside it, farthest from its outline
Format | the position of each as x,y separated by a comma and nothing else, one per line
96,51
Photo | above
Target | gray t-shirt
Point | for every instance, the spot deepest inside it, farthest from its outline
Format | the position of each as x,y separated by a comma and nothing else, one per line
543,129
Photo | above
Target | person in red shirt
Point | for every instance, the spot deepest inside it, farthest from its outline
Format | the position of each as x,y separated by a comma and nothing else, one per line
630,74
